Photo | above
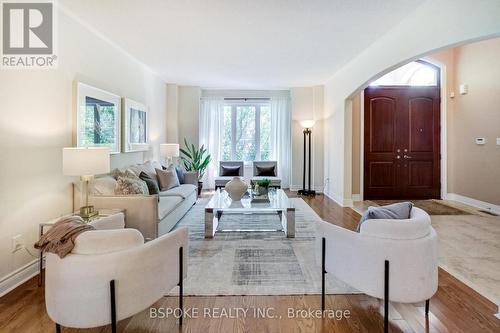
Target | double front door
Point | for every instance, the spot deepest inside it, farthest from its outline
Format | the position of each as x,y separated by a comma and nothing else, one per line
402,143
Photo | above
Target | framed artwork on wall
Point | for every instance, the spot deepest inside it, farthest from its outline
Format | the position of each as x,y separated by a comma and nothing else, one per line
135,126
97,118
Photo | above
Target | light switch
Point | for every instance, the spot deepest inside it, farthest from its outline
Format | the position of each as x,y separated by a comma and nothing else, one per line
498,141
480,141
464,89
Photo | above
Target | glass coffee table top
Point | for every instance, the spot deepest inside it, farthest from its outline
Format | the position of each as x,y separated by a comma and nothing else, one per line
278,200
278,203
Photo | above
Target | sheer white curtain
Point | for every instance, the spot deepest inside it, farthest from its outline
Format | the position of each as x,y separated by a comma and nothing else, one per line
211,131
281,141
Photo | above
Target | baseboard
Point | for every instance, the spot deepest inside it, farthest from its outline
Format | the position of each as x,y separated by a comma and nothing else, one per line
339,200
474,202
295,188
18,277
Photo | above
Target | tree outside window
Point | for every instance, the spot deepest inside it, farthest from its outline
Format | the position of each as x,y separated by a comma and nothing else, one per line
247,131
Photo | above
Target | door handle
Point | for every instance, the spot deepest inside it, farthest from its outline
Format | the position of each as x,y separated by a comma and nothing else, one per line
406,156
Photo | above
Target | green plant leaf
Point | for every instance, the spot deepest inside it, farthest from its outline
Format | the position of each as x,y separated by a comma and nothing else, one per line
185,153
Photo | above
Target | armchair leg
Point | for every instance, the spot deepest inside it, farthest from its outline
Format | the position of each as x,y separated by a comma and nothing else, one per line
58,328
113,305
323,272
386,297
181,278
427,307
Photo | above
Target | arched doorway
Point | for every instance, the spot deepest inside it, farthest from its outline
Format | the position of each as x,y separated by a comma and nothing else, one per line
402,134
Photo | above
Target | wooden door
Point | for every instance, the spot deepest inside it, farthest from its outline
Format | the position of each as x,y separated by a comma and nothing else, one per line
402,142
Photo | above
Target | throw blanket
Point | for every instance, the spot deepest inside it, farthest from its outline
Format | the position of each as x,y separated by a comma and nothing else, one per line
60,239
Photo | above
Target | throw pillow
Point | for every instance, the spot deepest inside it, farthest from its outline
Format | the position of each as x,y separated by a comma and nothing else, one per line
167,179
146,167
269,171
397,211
128,186
126,173
104,185
180,174
152,184
230,170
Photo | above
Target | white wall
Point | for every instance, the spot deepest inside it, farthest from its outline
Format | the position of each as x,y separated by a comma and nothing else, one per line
433,25
307,104
172,113
36,123
189,113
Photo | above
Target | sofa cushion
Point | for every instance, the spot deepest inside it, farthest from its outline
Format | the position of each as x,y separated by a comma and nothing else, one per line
183,191
168,204
152,183
417,226
180,174
265,170
230,170
104,185
146,167
397,211
128,173
128,186
167,179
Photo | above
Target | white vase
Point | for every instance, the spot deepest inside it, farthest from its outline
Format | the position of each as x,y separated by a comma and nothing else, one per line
236,188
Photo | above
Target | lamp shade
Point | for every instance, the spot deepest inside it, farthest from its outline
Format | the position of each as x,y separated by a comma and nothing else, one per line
169,150
85,161
307,123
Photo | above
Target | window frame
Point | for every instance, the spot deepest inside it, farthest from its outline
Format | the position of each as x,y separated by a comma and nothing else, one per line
234,104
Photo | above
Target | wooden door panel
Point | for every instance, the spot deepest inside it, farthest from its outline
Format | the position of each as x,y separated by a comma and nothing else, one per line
420,174
421,125
382,174
381,119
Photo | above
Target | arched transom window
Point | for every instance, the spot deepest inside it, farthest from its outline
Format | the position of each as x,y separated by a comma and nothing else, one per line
416,73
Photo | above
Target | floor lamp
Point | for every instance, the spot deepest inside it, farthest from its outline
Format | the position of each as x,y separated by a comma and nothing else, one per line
307,125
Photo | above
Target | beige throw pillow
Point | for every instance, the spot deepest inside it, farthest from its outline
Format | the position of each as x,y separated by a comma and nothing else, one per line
167,179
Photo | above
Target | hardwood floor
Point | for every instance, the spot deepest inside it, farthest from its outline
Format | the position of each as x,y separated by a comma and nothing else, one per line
454,308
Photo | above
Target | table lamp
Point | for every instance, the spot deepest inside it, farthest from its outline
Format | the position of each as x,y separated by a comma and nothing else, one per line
85,163
169,151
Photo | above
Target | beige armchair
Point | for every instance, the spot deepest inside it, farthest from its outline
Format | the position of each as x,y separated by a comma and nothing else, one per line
111,275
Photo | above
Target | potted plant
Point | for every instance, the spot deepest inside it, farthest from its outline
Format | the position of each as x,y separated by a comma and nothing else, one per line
195,159
262,186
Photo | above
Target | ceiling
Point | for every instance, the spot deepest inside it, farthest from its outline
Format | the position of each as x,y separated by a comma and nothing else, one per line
243,44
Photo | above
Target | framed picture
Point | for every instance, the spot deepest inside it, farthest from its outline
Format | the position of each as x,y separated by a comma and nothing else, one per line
98,118
135,126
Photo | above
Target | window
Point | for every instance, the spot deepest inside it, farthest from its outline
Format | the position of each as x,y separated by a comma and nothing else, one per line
247,131
417,73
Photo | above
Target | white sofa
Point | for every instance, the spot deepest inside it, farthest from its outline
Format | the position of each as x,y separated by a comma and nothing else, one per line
387,259
111,275
152,215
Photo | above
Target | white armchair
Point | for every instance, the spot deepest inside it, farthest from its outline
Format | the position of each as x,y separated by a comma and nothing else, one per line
391,260
111,275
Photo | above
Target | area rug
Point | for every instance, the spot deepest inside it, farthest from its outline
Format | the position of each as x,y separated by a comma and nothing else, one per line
432,207
255,263
469,249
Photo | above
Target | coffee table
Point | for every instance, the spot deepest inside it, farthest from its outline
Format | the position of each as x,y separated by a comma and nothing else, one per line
221,203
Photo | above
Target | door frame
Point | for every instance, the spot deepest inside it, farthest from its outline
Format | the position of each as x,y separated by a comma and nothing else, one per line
443,144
